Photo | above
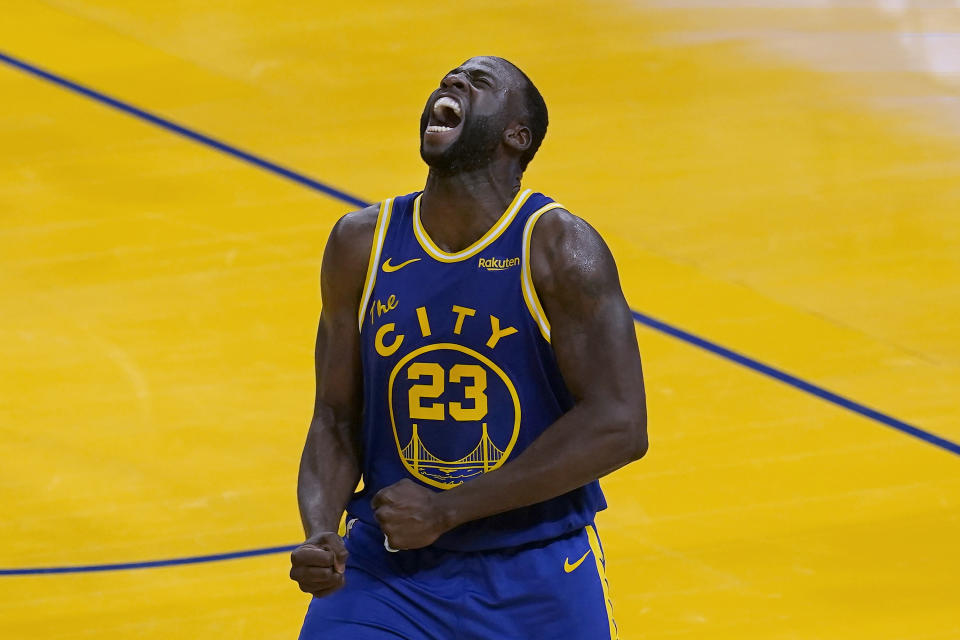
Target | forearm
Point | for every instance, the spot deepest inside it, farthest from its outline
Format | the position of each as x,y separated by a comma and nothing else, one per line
329,472
582,446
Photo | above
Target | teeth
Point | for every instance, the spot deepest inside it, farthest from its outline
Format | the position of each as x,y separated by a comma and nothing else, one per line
446,102
438,128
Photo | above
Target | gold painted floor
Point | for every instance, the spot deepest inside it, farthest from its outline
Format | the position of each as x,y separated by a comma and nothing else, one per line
781,180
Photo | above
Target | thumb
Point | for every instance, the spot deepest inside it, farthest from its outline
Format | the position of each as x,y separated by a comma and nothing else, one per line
381,498
340,555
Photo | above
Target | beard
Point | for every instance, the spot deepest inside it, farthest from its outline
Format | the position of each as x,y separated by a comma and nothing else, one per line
473,149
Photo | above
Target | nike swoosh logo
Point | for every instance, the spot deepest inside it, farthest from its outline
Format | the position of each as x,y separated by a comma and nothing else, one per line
570,567
390,268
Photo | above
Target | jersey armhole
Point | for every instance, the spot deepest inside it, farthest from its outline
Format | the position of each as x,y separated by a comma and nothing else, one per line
529,291
383,221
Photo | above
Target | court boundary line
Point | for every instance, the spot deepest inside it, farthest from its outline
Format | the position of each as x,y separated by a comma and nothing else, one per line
797,383
186,132
149,564
290,174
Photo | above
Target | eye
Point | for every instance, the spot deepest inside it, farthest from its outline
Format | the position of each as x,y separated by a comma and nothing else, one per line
480,79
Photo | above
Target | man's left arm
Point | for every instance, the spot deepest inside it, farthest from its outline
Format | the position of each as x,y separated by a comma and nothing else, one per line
594,340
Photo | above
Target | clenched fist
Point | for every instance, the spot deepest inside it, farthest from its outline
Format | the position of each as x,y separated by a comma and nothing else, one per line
319,563
410,515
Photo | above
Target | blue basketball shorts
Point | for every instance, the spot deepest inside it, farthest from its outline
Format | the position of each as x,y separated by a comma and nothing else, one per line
551,589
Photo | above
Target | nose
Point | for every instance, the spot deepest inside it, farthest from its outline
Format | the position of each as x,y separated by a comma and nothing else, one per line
454,80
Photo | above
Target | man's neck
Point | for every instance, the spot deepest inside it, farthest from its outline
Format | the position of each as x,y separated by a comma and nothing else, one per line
457,210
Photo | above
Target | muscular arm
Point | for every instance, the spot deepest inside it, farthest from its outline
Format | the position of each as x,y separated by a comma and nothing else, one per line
330,464
593,337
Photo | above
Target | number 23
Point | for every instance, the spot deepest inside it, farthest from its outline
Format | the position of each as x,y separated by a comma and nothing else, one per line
434,389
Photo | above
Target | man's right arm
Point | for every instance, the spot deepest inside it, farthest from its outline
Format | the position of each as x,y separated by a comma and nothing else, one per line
331,462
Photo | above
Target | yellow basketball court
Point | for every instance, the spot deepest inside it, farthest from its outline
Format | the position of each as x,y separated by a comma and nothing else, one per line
780,185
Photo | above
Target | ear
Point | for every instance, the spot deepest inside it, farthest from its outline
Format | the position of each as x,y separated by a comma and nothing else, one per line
518,137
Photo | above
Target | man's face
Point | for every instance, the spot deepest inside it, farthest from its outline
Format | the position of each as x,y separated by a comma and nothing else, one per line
464,120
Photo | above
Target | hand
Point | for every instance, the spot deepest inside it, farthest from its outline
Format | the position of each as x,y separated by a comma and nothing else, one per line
410,515
319,563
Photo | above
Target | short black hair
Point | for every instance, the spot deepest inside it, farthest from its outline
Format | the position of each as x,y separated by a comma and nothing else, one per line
537,118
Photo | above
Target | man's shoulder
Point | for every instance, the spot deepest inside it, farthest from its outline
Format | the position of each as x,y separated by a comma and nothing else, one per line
353,233
567,251
354,227
560,235
556,222
347,251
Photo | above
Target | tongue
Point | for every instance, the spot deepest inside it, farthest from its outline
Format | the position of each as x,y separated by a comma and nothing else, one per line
446,116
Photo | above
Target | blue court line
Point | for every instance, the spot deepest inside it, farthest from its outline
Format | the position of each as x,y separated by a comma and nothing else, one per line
641,318
796,382
173,127
149,564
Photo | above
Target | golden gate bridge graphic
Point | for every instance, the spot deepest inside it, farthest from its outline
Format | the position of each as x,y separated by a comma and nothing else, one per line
485,456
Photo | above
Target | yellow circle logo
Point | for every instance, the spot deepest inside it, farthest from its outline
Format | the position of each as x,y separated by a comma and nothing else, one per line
454,413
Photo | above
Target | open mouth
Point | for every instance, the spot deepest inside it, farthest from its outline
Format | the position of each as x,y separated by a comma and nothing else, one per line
445,116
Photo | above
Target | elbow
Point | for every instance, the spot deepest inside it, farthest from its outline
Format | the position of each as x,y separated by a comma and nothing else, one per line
637,443
629,436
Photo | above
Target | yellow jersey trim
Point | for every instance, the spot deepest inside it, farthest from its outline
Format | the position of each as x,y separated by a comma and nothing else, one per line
492,234
529,291
598,556
383,221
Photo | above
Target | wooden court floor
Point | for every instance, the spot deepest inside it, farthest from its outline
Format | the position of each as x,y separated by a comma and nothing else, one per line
780,185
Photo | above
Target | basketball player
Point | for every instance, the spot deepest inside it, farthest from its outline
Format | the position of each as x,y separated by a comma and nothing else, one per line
477,365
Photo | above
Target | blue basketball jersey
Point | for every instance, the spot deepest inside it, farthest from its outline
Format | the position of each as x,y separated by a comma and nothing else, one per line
458,372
